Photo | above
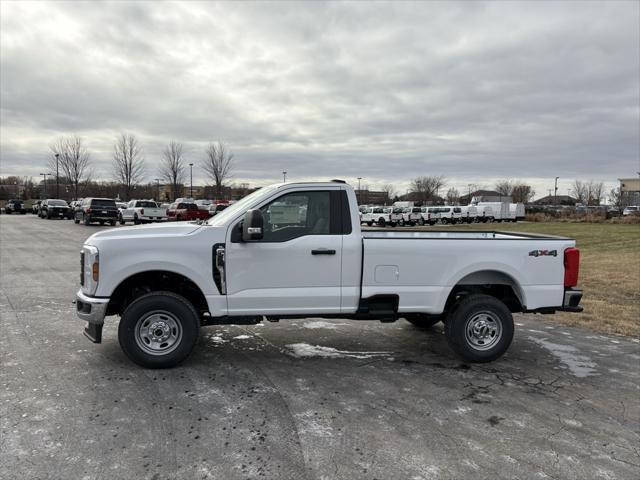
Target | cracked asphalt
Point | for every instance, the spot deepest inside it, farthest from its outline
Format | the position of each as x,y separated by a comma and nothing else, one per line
304,399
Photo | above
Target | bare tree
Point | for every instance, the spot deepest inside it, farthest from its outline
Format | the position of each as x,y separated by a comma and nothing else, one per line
425,189
595,192
218,163
580,191
522,193
453,195
73,158
128,162
615,198
505,188
172,166
390,191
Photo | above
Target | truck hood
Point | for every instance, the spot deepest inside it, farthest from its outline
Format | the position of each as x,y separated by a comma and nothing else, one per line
156,230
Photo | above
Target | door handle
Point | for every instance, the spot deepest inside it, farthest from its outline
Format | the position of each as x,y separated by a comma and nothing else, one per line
323,251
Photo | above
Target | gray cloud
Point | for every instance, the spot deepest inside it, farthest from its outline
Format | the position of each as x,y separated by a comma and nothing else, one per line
386,91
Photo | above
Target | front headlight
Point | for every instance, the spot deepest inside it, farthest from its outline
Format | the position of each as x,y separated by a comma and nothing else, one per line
90,269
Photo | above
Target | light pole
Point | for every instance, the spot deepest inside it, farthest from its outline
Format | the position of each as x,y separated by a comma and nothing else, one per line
284,176
191,189
555,192
57,177
45,183
158,183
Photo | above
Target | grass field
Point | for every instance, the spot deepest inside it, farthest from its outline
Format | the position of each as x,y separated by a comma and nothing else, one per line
609,272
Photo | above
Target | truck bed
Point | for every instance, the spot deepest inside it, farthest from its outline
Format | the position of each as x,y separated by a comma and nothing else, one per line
455,235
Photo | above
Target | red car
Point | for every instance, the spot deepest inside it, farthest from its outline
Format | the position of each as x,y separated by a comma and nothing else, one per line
186,211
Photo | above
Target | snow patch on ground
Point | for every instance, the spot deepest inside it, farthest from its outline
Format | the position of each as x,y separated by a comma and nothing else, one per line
322,324
304,350
242,337
579,365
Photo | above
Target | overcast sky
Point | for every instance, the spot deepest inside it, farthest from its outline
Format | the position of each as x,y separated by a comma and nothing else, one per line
384,91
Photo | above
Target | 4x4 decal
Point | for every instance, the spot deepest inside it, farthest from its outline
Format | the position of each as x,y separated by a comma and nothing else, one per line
543,253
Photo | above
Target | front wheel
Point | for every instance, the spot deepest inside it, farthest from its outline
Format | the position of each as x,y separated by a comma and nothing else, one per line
444,221
158,330
136,220
479,328
420,221
382,222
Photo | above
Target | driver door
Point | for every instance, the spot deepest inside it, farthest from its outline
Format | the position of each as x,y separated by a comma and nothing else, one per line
296,267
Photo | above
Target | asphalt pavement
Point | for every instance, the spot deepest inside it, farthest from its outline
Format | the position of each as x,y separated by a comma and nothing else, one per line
298,399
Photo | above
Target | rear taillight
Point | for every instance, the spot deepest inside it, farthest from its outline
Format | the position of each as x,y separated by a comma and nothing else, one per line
82,268
88,210
142,211
571,267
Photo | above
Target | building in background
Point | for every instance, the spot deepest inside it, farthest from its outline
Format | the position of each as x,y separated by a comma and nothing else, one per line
555,200
629,191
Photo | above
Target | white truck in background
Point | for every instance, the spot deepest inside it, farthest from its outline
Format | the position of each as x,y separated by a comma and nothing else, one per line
381,216
142,211
258,260
516,212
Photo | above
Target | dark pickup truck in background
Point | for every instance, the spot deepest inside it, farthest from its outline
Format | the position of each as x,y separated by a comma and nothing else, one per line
102,210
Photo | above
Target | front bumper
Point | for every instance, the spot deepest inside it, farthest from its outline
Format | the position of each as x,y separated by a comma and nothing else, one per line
91,309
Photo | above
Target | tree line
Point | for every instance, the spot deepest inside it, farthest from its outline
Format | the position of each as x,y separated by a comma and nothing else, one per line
70,157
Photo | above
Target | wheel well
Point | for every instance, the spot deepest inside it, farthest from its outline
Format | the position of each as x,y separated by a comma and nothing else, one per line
152,281
489,282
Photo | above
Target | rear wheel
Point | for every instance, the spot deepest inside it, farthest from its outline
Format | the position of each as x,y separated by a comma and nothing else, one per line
382,222
420,221
479,328
158,330
444,221
87,220
370,224
112,223
136,220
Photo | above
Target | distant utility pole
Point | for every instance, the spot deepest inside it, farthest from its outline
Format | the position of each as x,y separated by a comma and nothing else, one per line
555,192
191,189
57,177
158,183
284,176
45,183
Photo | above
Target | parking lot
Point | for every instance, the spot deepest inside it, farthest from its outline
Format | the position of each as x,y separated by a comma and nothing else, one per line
313,398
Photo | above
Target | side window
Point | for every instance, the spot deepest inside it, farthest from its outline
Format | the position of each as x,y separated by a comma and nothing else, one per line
295,215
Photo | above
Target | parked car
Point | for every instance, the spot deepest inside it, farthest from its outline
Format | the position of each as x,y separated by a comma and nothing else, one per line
427,219
468,214
217,208
631,210
15,205
450,214
186,211
165,282
102,210
35,207
55,208
397,216
381,216
203,204
142,211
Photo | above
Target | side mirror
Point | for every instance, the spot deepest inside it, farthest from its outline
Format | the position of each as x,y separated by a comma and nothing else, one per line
252,226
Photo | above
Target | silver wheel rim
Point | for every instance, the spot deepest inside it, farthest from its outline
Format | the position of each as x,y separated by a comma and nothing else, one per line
158,333
483,330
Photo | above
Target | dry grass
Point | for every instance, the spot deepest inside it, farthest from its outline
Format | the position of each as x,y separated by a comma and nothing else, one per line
609,272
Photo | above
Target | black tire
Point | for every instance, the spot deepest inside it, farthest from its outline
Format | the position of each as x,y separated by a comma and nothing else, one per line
87,220
424,321
370,224
444,221
76,220
120,219
168,309
112,223
48,215
421,221
101,222
381,222
493,333
136,220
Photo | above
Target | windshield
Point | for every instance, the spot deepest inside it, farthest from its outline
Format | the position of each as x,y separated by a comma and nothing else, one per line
58,203
241,206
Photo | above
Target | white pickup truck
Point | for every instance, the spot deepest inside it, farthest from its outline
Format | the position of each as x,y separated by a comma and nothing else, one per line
142,211
296,250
